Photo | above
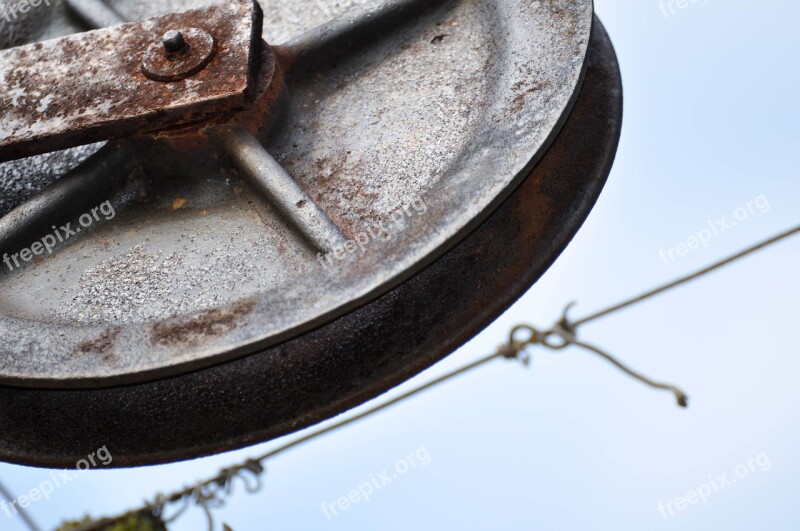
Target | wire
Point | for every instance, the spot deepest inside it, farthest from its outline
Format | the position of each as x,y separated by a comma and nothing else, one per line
680,397
689,278
373,410
206,494
18,509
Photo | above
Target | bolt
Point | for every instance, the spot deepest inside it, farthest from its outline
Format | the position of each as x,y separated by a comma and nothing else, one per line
173,42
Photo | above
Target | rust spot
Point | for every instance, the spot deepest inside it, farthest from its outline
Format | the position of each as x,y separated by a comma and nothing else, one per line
210,323
104,344
523,92
179,203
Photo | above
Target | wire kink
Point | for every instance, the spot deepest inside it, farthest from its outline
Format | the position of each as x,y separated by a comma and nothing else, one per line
564,334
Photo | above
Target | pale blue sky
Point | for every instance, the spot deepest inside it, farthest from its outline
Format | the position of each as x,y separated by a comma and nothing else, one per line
571,444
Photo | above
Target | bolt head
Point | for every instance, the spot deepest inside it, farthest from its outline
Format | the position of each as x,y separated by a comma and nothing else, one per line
173,42
194,49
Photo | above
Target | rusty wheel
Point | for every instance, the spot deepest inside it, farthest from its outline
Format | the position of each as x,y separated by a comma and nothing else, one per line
244,289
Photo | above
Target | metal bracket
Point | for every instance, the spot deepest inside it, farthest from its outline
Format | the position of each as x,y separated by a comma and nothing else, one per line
93,86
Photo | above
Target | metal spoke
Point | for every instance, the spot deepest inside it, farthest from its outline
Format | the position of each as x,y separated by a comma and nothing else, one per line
95,13
81,189
267,176
353,31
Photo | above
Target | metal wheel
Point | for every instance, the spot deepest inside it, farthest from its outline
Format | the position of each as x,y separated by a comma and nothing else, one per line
404,175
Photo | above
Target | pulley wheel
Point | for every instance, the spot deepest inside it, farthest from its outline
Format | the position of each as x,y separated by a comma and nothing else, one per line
448,152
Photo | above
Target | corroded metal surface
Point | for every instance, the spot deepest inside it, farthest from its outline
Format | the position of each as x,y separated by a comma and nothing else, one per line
91,86
354,358
407,141
194,50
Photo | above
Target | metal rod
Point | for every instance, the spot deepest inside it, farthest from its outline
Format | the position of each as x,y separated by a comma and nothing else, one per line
270,179
352,31
95,13
91,183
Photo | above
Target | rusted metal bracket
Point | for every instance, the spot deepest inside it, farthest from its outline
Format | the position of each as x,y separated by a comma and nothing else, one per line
114,82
